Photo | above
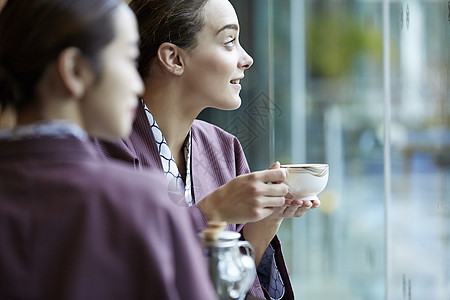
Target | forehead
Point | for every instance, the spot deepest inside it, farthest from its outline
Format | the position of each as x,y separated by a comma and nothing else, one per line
219,13
125,26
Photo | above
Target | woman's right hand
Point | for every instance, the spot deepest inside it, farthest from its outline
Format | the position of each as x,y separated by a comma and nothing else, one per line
247,198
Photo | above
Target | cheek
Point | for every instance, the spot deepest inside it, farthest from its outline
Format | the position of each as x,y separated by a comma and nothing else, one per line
222,67
106,110
215,64
122,87
214,77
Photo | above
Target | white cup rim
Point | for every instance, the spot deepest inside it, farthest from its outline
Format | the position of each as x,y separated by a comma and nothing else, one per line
286,166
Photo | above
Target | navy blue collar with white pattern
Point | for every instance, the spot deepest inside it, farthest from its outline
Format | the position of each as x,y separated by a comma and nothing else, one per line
169,165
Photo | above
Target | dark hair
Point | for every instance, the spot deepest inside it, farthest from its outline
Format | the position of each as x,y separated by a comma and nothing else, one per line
34,32
160,21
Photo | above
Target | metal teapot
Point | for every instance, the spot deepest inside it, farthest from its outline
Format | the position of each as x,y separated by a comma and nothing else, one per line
232,271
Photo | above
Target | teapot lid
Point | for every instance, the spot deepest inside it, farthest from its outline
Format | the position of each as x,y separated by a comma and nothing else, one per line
227,235
225,238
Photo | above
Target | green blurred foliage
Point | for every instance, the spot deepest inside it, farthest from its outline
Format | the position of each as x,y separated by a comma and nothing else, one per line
336,40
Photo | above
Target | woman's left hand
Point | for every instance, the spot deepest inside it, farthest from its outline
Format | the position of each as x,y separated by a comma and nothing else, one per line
291,208
294,208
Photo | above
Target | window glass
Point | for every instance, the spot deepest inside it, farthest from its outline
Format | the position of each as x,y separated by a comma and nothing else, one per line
316,94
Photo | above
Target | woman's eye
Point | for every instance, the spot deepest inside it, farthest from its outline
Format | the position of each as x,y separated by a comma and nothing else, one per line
230,42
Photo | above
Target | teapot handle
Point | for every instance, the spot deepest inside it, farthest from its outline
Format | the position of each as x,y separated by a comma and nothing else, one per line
247,247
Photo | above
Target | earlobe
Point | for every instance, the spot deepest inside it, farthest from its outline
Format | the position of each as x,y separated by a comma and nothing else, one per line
169,55
73,71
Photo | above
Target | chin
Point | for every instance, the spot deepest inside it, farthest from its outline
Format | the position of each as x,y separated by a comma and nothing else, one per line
125,132
231,105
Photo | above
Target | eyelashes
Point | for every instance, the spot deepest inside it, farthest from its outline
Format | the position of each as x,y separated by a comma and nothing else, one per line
230,42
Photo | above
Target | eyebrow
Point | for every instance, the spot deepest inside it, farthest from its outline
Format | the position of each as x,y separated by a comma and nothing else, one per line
229,26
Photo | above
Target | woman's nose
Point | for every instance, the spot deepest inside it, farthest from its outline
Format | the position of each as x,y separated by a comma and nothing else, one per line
246,61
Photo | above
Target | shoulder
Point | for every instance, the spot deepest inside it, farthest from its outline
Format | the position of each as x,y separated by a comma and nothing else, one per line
205,131
132,197
218,147
119,174
114,150
116,183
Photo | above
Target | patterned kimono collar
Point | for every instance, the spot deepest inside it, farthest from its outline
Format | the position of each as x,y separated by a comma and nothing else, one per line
57,129
169,166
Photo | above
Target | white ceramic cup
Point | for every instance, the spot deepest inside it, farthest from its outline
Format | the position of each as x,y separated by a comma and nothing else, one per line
306,181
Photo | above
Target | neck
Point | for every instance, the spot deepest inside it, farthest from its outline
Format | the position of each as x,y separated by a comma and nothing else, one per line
172,113
51,102
49,111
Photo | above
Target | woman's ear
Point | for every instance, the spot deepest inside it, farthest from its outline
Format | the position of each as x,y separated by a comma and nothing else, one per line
75,73
169,55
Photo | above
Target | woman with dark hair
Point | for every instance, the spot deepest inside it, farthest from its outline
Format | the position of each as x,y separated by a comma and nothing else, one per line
191,59
72,227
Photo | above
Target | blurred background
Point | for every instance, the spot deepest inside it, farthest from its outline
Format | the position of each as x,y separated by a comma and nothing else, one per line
316,93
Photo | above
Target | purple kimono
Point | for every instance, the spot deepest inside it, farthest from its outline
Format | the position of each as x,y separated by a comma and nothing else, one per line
73,227
217,158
